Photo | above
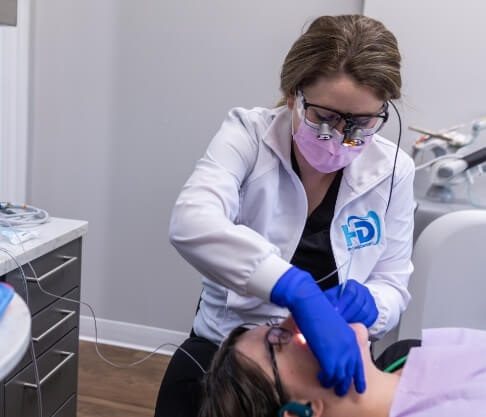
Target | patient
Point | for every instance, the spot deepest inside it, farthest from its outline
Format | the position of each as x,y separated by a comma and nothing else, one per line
258,371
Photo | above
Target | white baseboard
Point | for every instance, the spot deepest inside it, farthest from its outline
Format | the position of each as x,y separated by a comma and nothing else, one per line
129,335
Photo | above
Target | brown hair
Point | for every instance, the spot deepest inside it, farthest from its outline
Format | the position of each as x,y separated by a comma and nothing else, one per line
236,386
356,45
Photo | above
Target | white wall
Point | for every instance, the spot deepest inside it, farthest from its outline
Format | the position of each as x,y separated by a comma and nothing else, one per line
125,98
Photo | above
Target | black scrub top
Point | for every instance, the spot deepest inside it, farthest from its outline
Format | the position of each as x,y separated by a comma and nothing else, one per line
314,252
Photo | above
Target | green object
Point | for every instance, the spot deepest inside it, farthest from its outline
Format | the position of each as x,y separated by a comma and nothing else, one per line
396,364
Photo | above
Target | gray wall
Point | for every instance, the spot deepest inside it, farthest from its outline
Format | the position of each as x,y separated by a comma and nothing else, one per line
125,97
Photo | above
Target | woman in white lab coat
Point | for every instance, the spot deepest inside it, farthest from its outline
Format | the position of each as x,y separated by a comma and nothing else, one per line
285,196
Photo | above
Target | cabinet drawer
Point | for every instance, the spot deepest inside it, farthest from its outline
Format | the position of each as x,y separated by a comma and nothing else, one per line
68,409
57,272
2,399
58,381
49,325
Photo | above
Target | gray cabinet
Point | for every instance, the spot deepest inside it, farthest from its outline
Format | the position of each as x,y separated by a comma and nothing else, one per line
2,400
55,332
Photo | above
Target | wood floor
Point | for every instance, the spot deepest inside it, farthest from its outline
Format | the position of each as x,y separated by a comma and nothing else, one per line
105,391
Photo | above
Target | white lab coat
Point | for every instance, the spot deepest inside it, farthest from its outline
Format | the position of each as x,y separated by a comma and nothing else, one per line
241,214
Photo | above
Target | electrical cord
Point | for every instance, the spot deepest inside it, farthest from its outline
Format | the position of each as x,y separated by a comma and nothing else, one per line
348,262
396,153
32,350
100,355
116,365
21,215
433,161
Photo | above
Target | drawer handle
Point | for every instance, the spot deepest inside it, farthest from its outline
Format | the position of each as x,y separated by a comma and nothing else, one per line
68,355
68,260
68,313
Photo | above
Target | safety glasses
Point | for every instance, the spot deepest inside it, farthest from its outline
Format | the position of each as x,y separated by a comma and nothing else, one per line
316,115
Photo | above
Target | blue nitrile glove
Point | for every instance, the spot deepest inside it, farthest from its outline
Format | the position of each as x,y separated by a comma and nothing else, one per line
356,304
6,295
331,340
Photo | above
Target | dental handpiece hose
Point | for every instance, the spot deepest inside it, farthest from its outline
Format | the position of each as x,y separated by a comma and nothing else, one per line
456,166
475,158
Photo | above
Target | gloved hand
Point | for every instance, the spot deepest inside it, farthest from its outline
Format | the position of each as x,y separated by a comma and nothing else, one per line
331,340
356,304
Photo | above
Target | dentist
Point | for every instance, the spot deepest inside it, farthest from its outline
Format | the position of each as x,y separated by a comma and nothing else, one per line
285,196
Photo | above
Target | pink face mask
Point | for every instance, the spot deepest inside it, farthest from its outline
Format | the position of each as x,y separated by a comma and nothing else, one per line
325,155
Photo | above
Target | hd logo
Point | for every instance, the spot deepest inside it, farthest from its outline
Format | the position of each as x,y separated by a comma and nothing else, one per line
362,231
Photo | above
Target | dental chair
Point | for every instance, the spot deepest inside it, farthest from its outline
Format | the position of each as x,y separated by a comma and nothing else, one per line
448,285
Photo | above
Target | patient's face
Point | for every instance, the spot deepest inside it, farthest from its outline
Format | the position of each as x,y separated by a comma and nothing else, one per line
297,366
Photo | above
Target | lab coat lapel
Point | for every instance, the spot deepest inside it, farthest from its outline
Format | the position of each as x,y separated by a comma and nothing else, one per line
371,167
279,136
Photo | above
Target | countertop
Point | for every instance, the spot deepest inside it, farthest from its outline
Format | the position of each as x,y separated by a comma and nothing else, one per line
52,234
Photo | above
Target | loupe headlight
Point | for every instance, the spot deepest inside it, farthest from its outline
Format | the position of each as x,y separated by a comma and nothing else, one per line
325,132
353,135
355,139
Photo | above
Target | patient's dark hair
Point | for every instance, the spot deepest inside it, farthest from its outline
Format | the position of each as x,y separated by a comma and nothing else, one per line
236,386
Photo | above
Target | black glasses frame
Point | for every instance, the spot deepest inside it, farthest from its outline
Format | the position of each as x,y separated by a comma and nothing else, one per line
282,338
349,118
